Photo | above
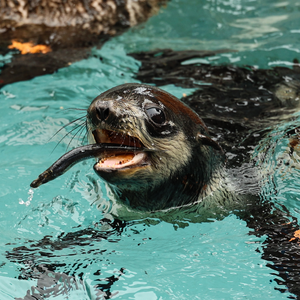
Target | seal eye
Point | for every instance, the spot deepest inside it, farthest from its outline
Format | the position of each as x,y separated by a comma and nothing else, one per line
156,115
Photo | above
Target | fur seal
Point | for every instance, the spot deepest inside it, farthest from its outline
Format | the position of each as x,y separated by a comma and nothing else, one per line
153,151
158,158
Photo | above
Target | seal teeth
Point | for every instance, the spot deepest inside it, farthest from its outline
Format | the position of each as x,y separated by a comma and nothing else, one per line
120,161
114,137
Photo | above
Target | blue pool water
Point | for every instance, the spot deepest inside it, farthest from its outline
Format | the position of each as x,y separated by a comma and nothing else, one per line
216,260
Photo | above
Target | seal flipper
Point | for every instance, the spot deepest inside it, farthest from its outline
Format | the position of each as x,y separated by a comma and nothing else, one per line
65,162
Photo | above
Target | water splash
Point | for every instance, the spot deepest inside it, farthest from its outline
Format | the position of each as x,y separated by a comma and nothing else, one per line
29,199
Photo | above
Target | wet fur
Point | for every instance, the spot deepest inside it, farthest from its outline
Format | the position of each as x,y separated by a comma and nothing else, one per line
183,170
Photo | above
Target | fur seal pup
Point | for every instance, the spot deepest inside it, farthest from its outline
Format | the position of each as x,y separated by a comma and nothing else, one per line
158,158
153,151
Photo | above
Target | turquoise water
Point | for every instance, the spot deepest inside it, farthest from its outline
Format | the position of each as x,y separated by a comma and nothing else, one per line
216,260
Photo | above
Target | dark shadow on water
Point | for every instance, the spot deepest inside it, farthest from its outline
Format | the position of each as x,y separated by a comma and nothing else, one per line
42,260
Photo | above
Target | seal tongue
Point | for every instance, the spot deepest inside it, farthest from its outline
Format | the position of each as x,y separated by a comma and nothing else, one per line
113,159
119,161
116,160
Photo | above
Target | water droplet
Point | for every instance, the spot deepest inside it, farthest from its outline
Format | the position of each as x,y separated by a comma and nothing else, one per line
29,199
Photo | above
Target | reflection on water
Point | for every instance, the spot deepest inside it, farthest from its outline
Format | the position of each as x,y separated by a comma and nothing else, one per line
61,245
209,25
278,154
257,27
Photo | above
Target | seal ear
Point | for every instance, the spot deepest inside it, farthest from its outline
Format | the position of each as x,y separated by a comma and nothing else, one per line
209,142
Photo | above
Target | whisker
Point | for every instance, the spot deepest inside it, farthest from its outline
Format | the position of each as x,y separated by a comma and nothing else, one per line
85,134
123,137
80,129
73,108
71,122
69,132
79,132
84,137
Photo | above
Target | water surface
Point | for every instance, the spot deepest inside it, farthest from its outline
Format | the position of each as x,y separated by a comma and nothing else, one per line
216,260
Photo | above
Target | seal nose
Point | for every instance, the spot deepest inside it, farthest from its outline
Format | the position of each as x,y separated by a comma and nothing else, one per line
102,110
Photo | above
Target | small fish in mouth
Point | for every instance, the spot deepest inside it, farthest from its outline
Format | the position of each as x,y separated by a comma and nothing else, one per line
65,162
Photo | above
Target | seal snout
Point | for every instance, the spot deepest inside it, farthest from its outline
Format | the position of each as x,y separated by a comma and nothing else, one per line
103,110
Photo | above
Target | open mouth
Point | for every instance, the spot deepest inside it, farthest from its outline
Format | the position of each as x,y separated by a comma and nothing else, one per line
132,155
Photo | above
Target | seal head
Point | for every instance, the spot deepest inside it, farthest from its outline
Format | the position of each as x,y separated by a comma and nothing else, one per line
178,164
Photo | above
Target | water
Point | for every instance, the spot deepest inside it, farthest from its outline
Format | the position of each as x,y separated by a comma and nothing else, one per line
58,225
